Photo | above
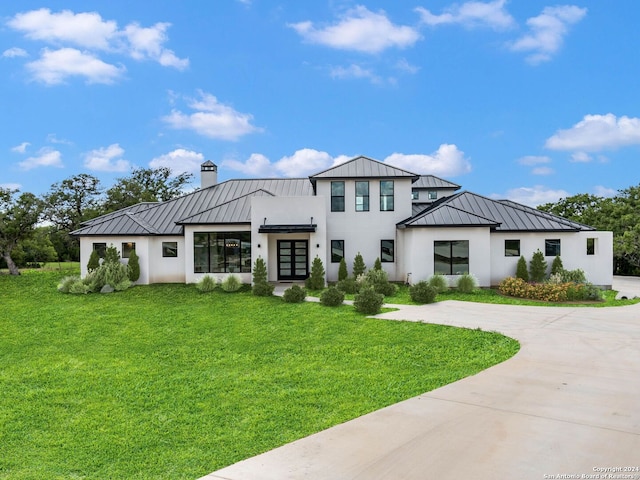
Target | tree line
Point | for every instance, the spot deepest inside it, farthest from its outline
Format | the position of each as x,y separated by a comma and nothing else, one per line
36,229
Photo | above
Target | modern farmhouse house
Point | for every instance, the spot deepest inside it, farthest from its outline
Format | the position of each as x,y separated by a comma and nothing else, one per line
417,225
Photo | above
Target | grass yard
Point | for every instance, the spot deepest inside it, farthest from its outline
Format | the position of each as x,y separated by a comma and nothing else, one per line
164,382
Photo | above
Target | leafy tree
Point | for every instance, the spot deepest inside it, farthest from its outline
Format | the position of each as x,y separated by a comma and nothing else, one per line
68,204
342,270
358,266
316,279
35,249
145,185
537,267
521,269
134,266
583,208
18,218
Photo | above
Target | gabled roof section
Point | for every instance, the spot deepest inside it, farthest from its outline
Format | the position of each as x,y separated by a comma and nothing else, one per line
506,216
138,207
431,181
237,210
363,167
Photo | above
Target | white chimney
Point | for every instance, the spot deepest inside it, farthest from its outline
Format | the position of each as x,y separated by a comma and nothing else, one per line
208,174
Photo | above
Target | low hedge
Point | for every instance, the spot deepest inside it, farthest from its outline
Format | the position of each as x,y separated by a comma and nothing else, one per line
549,292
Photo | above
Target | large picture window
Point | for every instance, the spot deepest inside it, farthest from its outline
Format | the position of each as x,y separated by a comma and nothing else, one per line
552,247
362,196
451,257
222,252
337,250
512,248
386,251
337,196
386,195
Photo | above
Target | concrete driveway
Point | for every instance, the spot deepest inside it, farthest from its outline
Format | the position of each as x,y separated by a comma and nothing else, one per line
567,404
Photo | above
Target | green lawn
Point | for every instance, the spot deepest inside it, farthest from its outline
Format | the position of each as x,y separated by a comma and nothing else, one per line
164,382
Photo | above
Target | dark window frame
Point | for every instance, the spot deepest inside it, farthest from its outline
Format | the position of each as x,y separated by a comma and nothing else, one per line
169,251
387,199
415,194
337,245
224,246
591,246
390,247
552,247
337,200
101,248
363,206
452,263
507,249
127,248
432,194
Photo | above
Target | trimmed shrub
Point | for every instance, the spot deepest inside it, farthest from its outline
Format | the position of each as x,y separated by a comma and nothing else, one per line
348,285
466,283
206,284
377,265
331,297
114,272
134,266
575,276
261,287
342,270
368,301
294,294
514,287
111,255
65,284
556,265
78,287
379,280
422,292
537,267
591,292
94,261
521,269
439,282
122,285
358,266
316,279
231,284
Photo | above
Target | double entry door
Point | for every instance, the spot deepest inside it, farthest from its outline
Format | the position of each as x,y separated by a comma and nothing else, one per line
293,259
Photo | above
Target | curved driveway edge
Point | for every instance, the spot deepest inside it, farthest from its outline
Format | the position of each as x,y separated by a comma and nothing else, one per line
567,404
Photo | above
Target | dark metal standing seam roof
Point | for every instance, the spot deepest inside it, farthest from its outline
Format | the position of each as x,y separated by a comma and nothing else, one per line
364,167
448,216
430,181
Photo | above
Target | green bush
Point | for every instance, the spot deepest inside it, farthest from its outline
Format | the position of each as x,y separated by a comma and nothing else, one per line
348,285
65,284
134,266
122,285
549,292
592,292
422,292
575,276
521,269
94,261
537,267
114,272
379,280
78,287
342,270
111,255
368,301
261,287
316,279
439,282
231,284
556,265
206,284
331,297
377,265
294,294
466,283
358,266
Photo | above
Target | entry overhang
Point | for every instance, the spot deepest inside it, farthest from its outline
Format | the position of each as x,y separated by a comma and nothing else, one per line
295,228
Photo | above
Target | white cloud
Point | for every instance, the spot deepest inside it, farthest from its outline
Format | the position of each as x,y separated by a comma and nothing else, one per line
448,160
597,132
46,157
361,30
179,161
107,159
212,119
147,43
55,66
471,14
533,196
303,163
601,191
257,165
404,66
542,171
547,32
533,160
580,157
22,148
355,71
14,52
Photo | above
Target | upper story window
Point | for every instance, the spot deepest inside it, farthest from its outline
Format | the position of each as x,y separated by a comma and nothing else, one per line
552,247
432,195
415,194
386,195
337,196
362,196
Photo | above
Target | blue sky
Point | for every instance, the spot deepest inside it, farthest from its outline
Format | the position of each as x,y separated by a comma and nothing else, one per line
526,100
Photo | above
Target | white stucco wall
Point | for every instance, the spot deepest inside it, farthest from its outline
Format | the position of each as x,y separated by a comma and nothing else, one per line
142,250
288,211
418,248
363,231
598,268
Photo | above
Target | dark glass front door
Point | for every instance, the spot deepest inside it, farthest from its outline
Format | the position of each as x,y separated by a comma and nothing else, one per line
293,259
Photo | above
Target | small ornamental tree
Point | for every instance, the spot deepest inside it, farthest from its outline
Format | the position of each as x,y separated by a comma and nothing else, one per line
378,264
342,270
316,279
358,266
556,265
537,267
134,266
94,261
521,269
261,287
